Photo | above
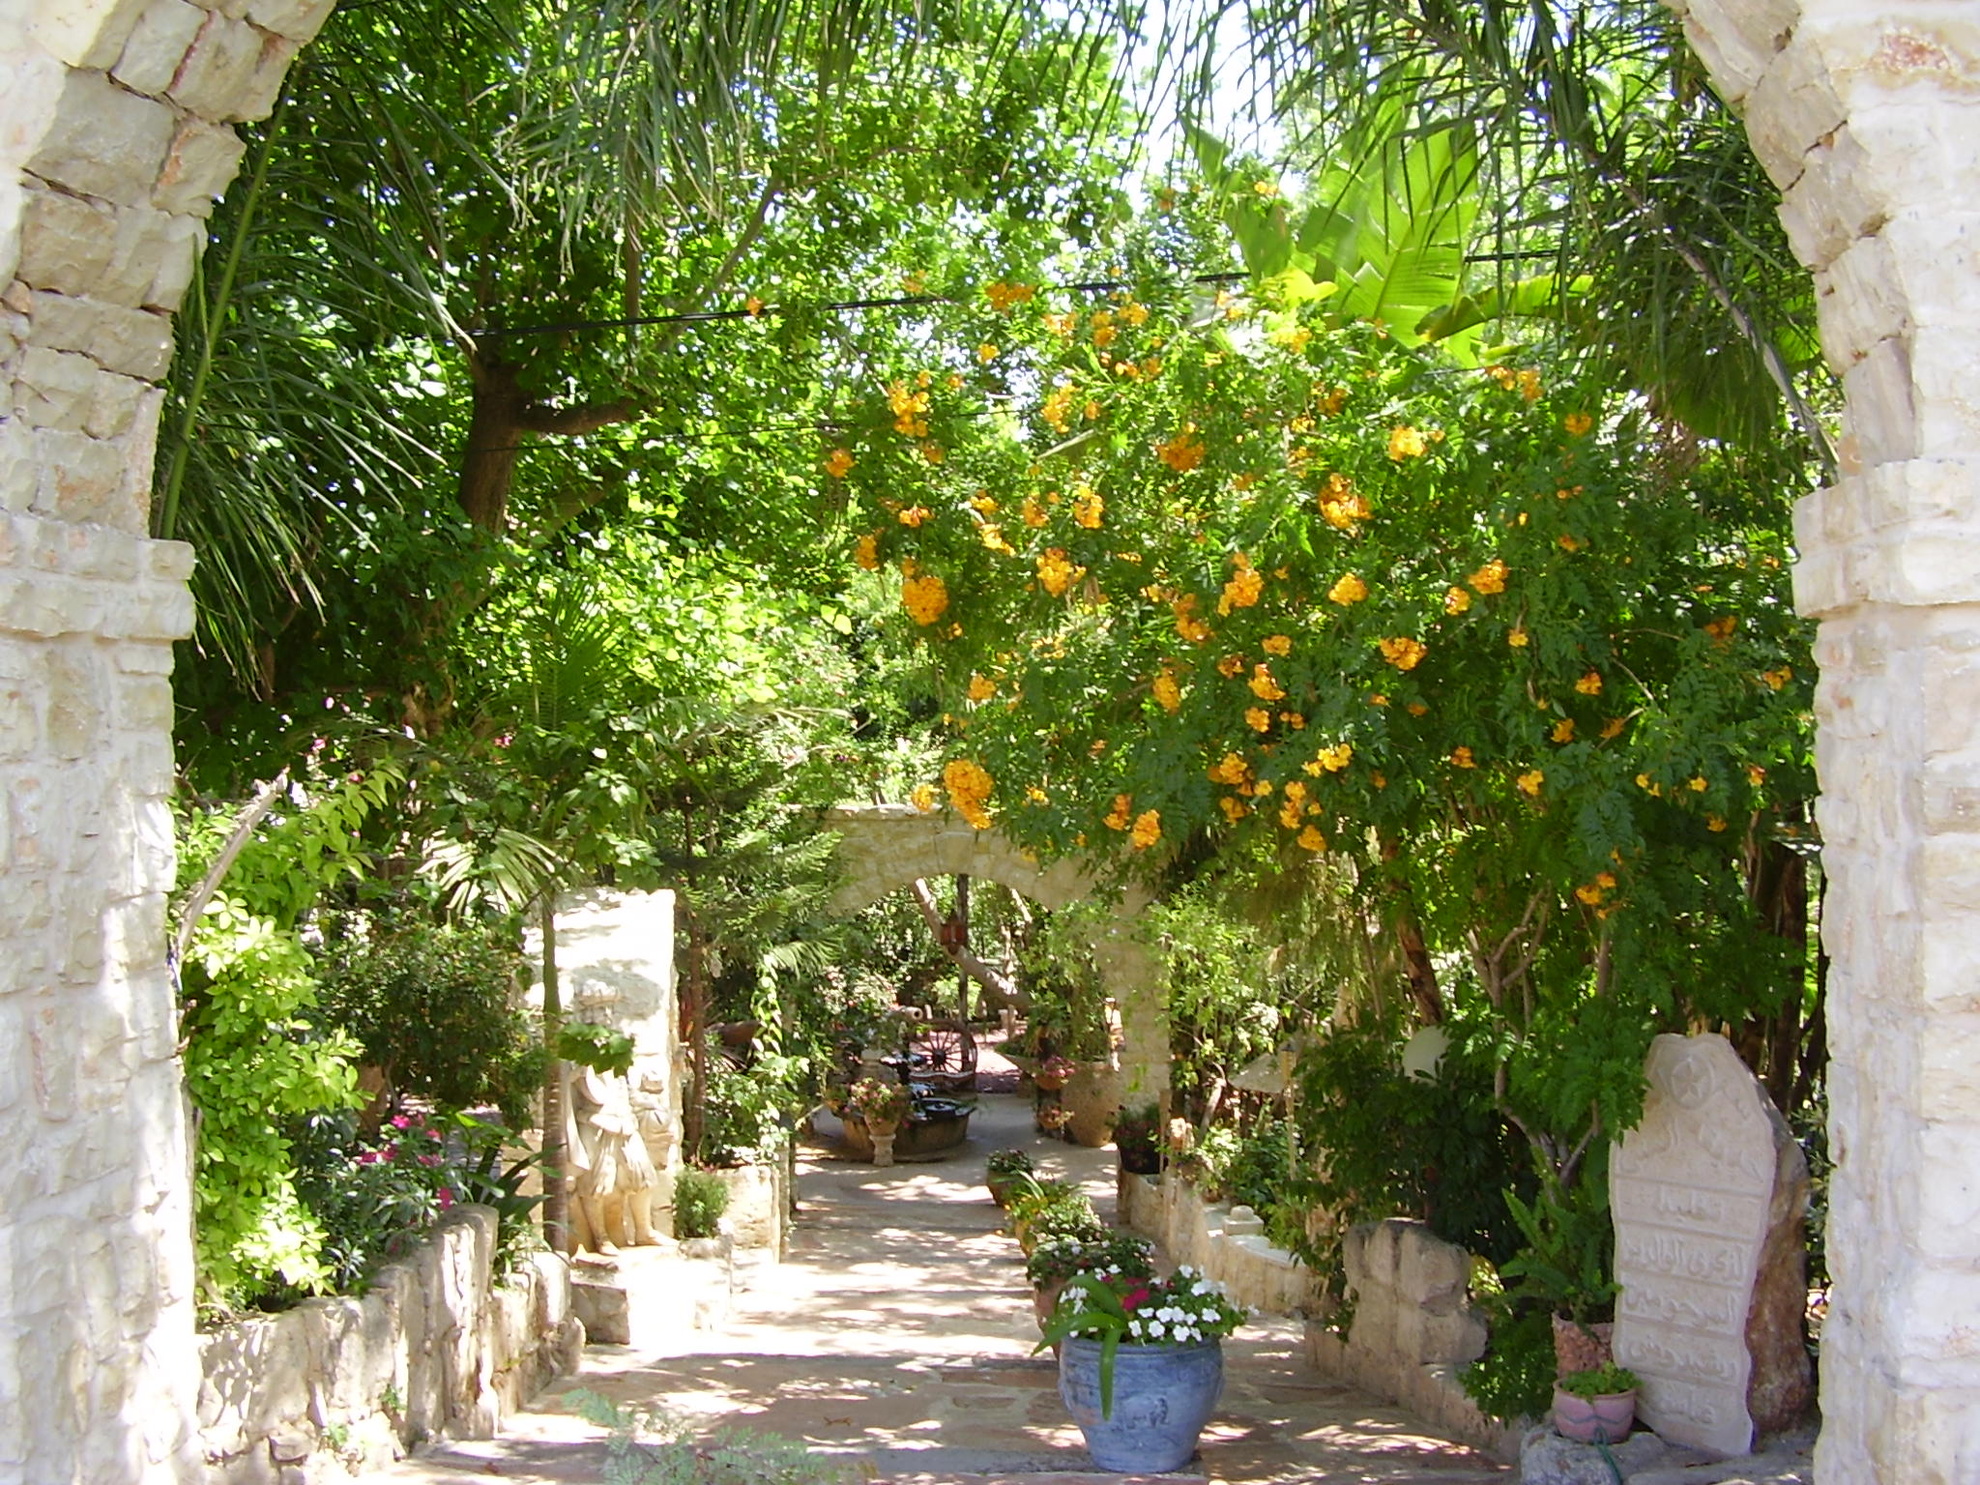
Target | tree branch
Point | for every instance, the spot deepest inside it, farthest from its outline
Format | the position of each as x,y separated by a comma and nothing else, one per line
1001,986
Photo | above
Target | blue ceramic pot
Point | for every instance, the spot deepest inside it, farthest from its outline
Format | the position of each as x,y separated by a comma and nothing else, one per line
1163,1395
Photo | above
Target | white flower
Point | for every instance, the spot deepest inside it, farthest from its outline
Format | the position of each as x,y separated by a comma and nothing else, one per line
1202,1287
1155,1327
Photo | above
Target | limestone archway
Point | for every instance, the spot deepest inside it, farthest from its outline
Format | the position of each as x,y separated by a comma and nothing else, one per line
115,137
1866,118
884,847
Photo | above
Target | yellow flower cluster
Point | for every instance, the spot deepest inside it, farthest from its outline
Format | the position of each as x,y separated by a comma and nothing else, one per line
1403,652
1264,685
1087,506
866,552
1775,679
1188,625
1230,769
1350,589
981,687
1590,683
1167,693
1003,296
914,515
910,408
1122,814
923,797
1230,666
1518,638
1033,513
1278,644
1245,585
1563,730
1258,719
987,352
1456,600
1057,572
1491,578
1311,839
1530,782
1147,829
1461,757
1340,506
1331,759
838,463
1593,892
1182,453
1406,443
993,538
1056,409
969,786
1577,424
925,597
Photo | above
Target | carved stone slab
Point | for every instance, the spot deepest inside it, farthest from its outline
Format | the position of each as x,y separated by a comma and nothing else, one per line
1692,1189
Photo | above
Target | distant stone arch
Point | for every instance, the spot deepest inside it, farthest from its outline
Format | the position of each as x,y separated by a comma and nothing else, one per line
884,847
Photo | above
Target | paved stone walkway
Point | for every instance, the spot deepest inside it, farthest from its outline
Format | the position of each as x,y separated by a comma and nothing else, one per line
898,1334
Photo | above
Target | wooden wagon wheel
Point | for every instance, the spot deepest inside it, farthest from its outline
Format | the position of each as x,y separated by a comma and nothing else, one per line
942,1054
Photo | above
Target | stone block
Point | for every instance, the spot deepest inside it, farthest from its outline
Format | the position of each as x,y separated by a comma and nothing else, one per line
116,407
1792,107
1430,1271
66,241
158,45
134,342
1833,202
84,33
104,141
257,99
81,479
1882,413
601,1305
218,66
199,163
1860,302
299,20
54,388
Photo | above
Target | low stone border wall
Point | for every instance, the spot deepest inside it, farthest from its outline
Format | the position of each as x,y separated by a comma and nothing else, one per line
435,1348
1232,1249
759,1206
1413,1330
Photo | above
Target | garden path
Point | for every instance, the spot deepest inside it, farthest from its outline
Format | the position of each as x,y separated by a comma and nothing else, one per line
898,1333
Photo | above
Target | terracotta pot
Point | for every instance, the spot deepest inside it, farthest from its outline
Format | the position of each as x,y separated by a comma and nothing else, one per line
1607,1418
1580,1348
1045,1299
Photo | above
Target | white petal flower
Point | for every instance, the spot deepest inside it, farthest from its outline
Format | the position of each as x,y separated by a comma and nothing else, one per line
1155,1327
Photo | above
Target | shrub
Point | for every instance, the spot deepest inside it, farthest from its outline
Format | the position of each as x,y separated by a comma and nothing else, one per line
1115,1252
374,1196
1515,1377
700,1199
1010,1162
432,1006
1136,1139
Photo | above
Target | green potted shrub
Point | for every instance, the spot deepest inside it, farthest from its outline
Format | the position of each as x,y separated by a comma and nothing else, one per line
1137,1140
1002,1171
700,1199
1596,1405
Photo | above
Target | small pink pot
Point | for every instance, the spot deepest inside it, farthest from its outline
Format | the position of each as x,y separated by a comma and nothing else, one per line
1586,1420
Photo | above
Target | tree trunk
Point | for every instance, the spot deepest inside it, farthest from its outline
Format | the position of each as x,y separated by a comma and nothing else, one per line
494,442
556,1201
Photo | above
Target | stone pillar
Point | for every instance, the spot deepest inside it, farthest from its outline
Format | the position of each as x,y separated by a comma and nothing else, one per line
115,138
1868,118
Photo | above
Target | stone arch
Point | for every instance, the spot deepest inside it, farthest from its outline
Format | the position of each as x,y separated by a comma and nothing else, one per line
1868,119
116,138
883,847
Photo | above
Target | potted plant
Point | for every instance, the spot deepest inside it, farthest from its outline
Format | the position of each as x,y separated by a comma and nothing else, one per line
1001,1172
1057,1209
1565,1267
1057,1259
879,1106
1053,1072
1053,1119
1596,1406
1141,1365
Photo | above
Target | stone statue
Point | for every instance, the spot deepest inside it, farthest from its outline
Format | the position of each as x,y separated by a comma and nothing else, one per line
614,1180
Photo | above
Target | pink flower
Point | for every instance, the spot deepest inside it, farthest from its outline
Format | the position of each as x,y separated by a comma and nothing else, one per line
370,1157
1134,1297
429,1160
433,1134
401,1122
446,1198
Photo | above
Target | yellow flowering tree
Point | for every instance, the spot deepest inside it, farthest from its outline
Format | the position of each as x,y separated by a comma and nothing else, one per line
1235,576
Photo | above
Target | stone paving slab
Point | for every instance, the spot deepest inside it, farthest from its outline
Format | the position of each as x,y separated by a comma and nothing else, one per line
898,1336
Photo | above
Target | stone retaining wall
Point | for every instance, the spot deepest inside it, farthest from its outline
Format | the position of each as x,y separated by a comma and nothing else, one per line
1413,1330
1231,1249
435,1348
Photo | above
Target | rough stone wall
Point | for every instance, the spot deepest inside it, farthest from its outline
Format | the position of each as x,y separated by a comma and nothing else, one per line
883,847
1226,1243
1868,118
1413,1331
436,1348
115,137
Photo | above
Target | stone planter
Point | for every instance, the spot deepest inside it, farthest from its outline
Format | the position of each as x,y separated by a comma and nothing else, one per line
1092,1096
1163,1396
1586,1420
913,1140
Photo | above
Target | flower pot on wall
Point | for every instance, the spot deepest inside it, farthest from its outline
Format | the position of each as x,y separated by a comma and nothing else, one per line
1092,1098
1163,1397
